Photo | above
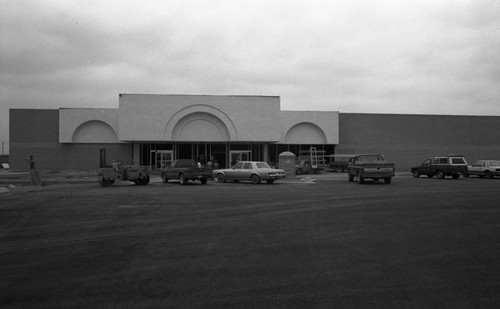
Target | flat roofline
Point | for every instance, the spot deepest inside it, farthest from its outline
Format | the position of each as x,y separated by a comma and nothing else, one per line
89,108
32,108
206,142
402,114
64,108
200,95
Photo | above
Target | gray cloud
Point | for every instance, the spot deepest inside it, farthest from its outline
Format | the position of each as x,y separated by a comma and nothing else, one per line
429,57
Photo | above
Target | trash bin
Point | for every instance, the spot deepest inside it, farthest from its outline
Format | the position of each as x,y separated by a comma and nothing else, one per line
287,161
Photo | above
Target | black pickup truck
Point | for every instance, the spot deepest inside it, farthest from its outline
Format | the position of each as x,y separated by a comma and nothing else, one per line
184,170
370,166
441,166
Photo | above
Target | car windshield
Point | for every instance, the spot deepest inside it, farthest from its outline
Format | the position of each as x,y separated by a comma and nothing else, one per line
262,165
340,158
370,158
238,166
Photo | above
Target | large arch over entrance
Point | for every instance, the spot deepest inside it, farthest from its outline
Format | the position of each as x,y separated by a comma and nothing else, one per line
305,133
200,116
200,126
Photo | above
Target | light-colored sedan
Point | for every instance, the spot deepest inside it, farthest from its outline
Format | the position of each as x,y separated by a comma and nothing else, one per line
485,168
254,171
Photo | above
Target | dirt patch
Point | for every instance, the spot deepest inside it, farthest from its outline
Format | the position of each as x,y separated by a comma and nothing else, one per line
23,177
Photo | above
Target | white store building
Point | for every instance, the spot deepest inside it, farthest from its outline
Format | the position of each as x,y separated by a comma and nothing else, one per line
160,128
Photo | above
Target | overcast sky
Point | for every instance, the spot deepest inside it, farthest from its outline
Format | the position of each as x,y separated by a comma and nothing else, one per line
366,56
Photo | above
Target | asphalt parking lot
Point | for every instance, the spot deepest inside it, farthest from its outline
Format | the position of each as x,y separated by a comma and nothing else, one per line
317,241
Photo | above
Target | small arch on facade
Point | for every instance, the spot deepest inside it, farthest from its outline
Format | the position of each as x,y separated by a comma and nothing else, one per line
94,131
307,132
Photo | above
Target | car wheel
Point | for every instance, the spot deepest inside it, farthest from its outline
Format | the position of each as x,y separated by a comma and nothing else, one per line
360,179
466,175
488,175
182,180
204,180
221,178
440,174
105,182
388,180
142,181
255,179
298,172
416,174
270,181
164,177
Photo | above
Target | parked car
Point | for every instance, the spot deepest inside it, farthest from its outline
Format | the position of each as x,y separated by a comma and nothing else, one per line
254,171
184,170
305,167
370,167
484,168
339,162
441,166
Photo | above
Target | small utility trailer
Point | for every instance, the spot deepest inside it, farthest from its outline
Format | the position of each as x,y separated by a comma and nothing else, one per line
109,173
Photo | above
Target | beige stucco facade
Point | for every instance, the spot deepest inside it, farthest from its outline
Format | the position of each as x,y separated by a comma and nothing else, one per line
309,127
197,118
88,125
157,128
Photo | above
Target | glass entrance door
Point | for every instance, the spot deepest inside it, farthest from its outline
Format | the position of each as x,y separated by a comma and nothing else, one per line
240,155
163,158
